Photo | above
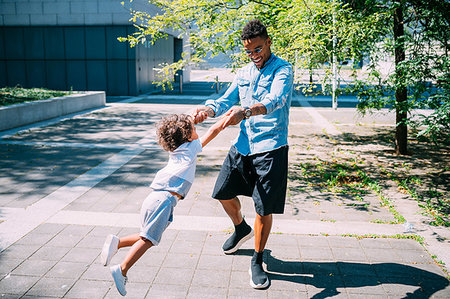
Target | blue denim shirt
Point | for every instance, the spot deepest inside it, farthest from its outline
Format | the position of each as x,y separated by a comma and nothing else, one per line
271,86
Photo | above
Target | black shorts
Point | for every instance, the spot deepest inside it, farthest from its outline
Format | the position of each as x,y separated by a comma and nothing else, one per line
261,176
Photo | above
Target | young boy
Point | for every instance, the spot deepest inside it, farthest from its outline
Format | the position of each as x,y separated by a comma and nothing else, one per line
177,135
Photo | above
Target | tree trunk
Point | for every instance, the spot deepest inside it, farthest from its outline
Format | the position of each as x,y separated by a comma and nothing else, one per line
401,94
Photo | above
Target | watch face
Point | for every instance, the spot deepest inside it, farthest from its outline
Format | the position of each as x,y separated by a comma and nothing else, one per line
248,113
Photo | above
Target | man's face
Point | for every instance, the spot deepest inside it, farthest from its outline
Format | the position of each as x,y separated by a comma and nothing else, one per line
258,49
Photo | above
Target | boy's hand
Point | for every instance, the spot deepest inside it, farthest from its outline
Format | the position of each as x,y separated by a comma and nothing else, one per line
200,114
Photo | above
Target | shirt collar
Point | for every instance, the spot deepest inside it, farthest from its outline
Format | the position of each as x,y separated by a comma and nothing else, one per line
271,58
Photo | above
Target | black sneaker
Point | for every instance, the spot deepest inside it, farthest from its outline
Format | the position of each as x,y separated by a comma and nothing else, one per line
240,235
258,277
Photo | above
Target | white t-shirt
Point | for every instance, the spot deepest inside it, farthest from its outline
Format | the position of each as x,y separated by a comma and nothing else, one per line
179,173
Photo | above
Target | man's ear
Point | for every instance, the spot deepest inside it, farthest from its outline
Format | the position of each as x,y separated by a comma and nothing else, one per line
269,41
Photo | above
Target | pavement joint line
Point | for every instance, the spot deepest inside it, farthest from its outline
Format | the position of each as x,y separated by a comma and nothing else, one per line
14,228
147,144
318,118
215,223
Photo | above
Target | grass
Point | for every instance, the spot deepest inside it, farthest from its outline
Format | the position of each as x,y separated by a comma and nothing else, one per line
17,95
433,202
345,175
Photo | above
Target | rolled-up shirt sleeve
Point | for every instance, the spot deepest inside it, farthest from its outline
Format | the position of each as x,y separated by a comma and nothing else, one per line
280,89
225,102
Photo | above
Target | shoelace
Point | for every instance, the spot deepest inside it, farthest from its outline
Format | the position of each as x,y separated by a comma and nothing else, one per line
125,281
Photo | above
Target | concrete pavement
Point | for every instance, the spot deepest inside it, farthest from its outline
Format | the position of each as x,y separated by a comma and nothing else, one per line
66,184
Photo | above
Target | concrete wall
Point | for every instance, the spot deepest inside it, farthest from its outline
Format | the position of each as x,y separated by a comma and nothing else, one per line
26,113
72,44
69,12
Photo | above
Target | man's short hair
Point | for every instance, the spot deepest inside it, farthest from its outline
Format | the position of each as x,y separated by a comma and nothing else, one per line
253,29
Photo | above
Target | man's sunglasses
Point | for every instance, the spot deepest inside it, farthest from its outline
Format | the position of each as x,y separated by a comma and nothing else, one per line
256,51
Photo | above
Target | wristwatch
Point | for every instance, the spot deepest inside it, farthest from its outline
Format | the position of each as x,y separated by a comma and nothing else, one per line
247,112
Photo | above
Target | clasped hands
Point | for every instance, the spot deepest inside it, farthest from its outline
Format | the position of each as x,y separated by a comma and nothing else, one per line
232,117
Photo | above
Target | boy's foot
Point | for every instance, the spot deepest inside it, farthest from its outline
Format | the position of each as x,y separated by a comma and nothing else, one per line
110,248
119,279
242,233
258,277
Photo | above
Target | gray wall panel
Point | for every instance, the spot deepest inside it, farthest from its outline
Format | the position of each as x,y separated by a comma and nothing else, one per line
132,83
96,75
14,48
117,77
34,43
36,73
114,48
74,43
95,43
16,73
56,74
81,57
2,73
131,51
76,75
54,42
2,44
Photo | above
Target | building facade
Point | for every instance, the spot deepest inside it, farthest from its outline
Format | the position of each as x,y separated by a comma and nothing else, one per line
72,44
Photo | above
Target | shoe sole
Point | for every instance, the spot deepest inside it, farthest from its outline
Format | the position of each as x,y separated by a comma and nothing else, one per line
105,250
257,286
239,244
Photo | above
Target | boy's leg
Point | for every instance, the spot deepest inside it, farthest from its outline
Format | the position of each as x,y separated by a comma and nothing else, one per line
128,240
135,252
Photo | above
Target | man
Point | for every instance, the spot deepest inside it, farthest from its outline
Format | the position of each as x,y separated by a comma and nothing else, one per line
256,164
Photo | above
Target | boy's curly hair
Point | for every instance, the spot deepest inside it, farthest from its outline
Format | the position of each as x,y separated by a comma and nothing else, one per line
254,29
174,130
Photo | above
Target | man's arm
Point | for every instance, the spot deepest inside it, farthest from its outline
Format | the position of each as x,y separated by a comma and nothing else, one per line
214,108
236,114
280,90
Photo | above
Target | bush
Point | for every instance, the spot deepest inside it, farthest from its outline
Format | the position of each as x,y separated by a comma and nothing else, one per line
16,95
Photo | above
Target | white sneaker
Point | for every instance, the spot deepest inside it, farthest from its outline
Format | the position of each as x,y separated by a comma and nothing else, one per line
119,279
110,248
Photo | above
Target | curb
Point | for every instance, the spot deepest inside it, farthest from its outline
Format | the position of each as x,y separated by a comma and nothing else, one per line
26,113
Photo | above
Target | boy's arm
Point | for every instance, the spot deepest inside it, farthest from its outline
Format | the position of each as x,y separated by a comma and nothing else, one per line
213,131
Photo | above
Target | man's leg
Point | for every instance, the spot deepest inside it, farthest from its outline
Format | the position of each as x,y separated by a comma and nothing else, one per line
242,231
259,278
263,225
233,209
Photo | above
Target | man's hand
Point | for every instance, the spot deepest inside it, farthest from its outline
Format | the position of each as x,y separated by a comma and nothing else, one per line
234,116
200,113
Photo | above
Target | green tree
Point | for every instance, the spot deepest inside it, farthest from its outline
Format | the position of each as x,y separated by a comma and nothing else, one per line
309,32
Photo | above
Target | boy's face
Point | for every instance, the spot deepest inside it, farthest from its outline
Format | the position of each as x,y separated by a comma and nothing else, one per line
194,132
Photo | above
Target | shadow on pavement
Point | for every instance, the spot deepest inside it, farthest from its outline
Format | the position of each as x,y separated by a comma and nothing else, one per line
330,276
355,275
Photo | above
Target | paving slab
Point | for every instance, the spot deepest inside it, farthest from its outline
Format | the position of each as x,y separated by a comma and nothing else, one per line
88,175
